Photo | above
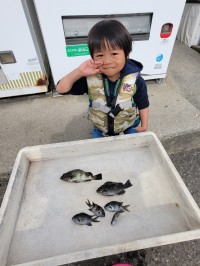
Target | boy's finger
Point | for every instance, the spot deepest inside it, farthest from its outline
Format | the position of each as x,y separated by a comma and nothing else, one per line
98,63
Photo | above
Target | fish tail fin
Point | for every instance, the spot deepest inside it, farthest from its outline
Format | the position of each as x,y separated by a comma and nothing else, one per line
127,184
126,208
97,177
95,219
88,203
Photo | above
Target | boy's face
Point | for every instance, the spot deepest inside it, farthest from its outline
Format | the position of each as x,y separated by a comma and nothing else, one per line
113,60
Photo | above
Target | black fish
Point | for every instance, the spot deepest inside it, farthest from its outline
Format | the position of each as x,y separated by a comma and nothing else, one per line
78,175
115,217
96,209
84,219
113,188
115,206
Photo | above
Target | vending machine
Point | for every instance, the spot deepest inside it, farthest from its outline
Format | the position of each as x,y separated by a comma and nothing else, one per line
23,60
152,24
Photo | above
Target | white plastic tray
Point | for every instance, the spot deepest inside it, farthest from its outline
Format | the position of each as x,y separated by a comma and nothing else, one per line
35,219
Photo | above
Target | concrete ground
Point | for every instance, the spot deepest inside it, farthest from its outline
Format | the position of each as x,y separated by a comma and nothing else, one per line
174,118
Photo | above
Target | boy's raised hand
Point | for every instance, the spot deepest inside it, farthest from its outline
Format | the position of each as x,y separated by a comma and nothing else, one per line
90,67
87,68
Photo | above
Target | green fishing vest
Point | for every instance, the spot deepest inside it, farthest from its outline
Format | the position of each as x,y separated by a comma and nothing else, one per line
121,115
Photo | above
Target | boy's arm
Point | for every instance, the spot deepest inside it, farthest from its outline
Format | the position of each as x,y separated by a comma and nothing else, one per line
87,68
142,102
144,116
66,83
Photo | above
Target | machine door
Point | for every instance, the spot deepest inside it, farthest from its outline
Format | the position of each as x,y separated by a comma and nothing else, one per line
76,28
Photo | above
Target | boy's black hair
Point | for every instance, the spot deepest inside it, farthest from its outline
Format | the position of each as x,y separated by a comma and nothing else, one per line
111,33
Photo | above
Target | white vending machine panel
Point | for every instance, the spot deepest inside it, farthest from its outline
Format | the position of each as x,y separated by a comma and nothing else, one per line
152,24
23,69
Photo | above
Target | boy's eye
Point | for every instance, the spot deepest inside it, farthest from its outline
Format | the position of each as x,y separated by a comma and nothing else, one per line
114,53
98,55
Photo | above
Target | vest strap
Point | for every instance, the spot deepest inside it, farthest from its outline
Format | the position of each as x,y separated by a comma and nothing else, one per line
115,111
119,107
112,112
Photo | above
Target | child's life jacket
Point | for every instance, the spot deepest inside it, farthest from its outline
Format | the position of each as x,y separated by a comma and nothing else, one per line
116,116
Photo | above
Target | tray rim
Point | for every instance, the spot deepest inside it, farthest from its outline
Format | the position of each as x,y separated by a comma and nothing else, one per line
111,250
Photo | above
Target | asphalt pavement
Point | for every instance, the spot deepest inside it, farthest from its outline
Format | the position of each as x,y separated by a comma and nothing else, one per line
174,118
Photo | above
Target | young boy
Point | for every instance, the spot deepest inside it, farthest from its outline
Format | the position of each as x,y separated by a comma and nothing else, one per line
112,81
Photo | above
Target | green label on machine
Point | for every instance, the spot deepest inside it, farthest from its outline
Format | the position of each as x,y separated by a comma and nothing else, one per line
77,50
